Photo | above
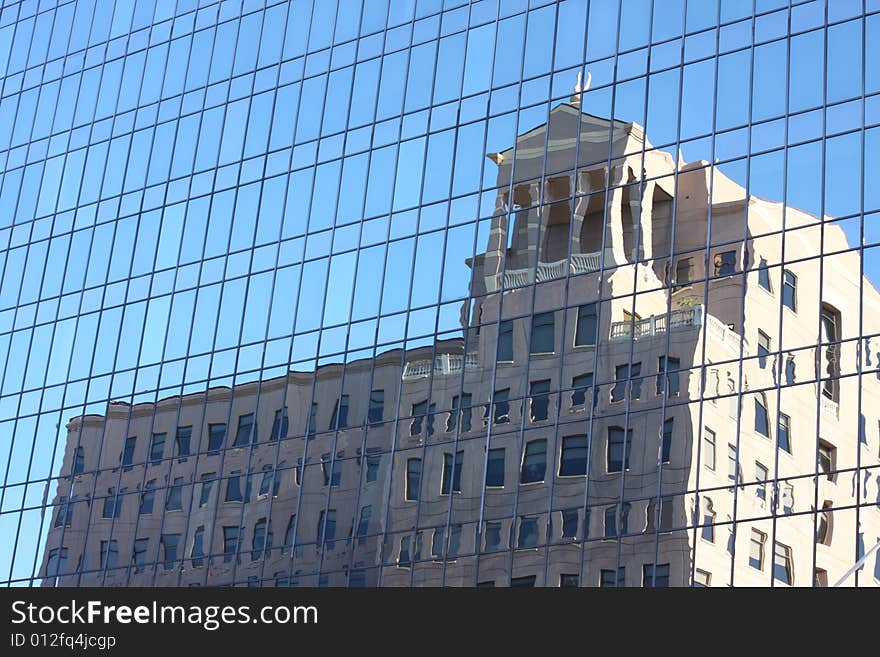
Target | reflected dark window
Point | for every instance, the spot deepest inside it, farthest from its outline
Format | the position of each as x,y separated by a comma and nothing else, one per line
761,474
528,532
454,541
157,448
762,422
763,349
139,554
377,407
198,551
783,436
339,419
574,456
823,527
787,499
112,504
668,375
732,463
534,466
627,375
403,556
288,534
363,527
707,532
581,385
79,460
207,479
569,523
312,429
109,554
280,425
756,549
270,482
174,502
655,575
586,330
725,263
567,581
668,433
64,514
609,579
540,399
216,436
461,406
438,543
522,582
619,449
233,487
789,290
617,520
421,412
452,475
664,514
182,441
246,432
764,276
373,463
332,475
57,562
413,478
327,530
684,272
708,448
782,571
827,459
505,341
148,497
169,549
230,543
495,467
501,406
128,452
261,541
493,536
543,334
829,369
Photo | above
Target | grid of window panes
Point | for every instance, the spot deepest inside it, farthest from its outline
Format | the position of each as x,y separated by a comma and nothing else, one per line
439,293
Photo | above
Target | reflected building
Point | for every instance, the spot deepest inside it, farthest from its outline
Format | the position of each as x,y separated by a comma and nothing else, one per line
653,385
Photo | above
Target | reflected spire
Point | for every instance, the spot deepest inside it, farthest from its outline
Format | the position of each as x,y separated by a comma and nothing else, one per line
579,89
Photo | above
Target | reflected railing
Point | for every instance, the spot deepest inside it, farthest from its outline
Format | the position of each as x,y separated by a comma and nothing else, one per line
656,324
681,318
578,263
441,365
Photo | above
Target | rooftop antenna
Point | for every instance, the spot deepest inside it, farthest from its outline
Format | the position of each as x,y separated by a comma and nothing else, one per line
579,88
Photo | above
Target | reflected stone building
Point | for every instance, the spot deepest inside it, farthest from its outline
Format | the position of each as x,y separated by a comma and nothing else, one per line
631,401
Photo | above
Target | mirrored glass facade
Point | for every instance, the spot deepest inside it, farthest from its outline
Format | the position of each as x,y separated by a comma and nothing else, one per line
368,293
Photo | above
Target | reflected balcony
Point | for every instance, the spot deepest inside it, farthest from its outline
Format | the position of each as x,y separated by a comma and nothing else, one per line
578,263
691,317
442,364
